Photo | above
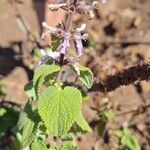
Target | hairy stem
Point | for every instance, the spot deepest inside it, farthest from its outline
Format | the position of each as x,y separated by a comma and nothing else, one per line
68,28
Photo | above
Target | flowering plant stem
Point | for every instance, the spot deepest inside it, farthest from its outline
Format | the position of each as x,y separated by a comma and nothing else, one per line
58,101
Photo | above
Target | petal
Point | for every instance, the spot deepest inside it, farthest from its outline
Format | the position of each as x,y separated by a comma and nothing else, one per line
54,55
52,29
83,26
79,48
91,13
84,36
78,44
103,1
43,52
63,48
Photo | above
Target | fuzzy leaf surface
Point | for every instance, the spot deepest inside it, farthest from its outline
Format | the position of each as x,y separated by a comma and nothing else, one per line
59,108
38,145
45,70
42,72
68,146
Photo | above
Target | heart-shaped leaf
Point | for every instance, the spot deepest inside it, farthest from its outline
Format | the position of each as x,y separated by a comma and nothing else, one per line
59,108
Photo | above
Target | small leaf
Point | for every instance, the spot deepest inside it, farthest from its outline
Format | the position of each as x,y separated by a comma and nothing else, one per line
68,137
134,145
127,139
86,76
27,125
38,145
107,115
30,90
81,122
55,42
68,146
76,68
59,108
45,70
42,72
16,145
3,111
2,88
119,133
8,120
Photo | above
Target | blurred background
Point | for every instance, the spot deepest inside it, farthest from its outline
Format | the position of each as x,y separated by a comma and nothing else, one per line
119,37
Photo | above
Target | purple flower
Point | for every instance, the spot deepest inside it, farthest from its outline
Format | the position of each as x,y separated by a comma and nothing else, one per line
85,8
78,39
63,48
67,37
78,43
54,55
52,30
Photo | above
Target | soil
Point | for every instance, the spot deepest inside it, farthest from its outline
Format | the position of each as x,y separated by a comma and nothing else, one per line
119,39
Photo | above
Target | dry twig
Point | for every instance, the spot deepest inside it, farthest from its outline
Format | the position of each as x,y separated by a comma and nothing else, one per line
127,76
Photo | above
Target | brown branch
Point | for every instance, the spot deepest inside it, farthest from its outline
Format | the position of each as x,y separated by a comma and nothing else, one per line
139,110
127,76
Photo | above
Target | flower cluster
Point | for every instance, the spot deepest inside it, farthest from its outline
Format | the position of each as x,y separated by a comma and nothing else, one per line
76,36
79,7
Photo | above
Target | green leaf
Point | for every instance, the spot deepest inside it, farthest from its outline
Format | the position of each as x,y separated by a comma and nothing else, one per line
134,145
2,88
30,90
70,136
8,120
3,111
38,145
127,139
119,133
45,70
76,68
85,75
59,108
16,145
42,72
68,146
107,115
27,125
81,122
55,42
